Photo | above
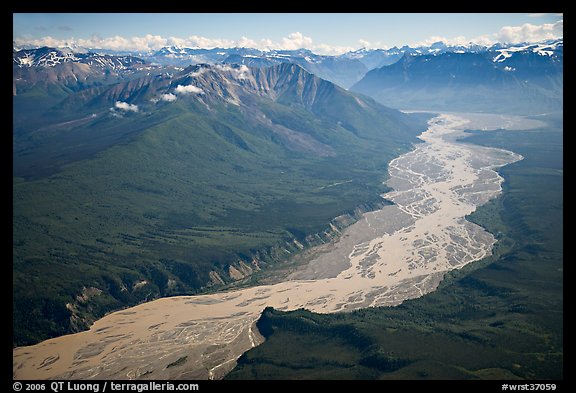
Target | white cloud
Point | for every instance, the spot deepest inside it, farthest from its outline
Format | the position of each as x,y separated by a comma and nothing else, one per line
295,41
242,72
330,50
195,41
507,34
126,106
365,43
531,33
245,42
168,97
371,45
151,42
180,89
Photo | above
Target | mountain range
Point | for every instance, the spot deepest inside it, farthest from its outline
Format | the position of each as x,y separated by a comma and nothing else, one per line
186,170
344,70
155,182
523,79
138,175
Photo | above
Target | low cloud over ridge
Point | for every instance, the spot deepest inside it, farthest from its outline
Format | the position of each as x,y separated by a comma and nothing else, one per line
188,89
168,97
126,106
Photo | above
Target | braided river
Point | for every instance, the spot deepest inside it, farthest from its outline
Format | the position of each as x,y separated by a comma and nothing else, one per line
390,255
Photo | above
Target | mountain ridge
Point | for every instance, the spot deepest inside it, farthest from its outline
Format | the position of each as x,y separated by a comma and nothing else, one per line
528,80
174,183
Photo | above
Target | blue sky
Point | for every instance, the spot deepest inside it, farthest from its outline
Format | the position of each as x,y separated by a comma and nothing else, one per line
324,33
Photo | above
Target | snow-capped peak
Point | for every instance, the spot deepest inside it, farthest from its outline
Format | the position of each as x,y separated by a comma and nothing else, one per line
545,48
50,57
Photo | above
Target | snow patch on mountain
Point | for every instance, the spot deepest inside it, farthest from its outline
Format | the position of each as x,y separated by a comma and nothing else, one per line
51,57
543,49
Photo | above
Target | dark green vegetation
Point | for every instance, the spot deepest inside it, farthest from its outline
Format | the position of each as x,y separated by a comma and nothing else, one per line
114,207
501,318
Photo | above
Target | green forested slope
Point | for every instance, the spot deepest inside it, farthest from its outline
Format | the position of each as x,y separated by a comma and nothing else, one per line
123,207
501,318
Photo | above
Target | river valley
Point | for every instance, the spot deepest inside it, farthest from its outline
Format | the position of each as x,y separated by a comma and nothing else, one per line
397,253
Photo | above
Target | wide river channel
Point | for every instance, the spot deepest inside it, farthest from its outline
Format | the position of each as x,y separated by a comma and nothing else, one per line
399,252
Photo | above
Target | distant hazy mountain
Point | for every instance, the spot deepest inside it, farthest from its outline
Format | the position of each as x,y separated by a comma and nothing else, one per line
376,58
524,79
341,70
344,70
337,69
169,183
